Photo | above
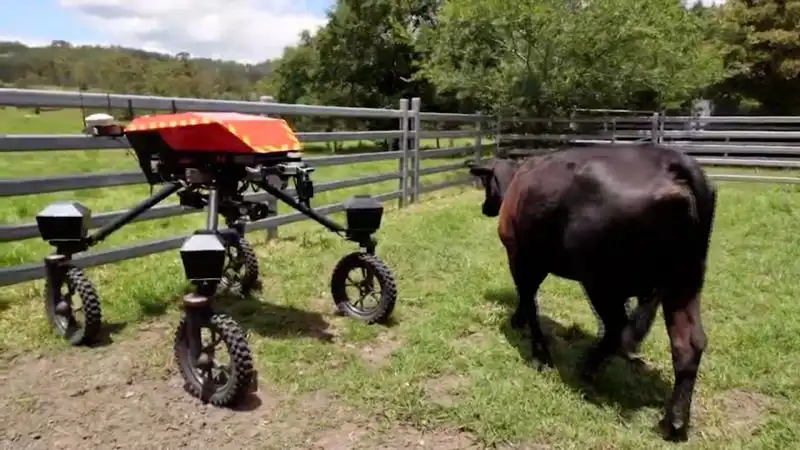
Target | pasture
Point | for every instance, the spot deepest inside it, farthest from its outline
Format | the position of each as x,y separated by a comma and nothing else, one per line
448,373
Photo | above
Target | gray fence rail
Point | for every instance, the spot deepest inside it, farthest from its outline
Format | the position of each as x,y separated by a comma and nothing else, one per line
409,133
728,145
690,136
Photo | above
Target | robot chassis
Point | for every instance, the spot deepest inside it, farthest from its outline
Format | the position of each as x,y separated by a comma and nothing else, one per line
182,152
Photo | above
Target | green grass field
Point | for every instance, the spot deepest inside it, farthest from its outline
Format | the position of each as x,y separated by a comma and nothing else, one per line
450,359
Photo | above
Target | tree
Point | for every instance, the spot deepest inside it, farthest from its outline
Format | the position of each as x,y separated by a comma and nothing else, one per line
293,76
545,57
762,54
369,52
125,70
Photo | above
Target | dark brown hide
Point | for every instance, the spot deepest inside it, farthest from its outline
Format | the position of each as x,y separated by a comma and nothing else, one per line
632,221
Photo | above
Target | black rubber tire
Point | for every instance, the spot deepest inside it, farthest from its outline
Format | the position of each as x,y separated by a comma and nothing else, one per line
377,268
73,332
243,376
249,280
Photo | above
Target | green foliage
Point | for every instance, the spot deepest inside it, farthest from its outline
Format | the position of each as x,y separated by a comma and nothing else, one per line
125,70
365,56
763,53
294,73
548,56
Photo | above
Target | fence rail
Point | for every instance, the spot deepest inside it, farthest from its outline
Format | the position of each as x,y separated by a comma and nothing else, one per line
618,130
409,133
776,136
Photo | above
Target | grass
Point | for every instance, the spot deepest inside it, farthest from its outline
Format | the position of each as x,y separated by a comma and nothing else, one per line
450,359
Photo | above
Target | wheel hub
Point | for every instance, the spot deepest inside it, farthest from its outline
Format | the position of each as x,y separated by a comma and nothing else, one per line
63,308
364,288
205,361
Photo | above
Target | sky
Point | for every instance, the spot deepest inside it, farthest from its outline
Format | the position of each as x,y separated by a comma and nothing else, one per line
242,30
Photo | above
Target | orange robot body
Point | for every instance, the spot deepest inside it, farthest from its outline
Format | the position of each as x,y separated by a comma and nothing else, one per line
218,132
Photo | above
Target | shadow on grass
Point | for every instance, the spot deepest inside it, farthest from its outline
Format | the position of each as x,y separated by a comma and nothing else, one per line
250,403
256,314
107,332
275,321
626,385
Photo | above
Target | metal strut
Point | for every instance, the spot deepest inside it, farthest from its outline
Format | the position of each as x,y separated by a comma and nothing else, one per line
133,213
322,220
258,177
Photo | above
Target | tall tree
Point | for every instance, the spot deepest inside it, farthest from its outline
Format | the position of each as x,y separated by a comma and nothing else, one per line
763,53
368,51
544,57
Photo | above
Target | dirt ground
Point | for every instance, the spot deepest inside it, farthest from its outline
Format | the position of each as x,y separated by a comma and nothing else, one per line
125,396
129,396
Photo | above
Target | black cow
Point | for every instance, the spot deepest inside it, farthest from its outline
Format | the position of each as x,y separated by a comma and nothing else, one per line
632,221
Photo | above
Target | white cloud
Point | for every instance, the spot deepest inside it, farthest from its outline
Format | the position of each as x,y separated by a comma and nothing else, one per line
243,30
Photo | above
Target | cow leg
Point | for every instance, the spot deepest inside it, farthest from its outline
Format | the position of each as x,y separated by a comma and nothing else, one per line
611,310
527,278
640,322
688,341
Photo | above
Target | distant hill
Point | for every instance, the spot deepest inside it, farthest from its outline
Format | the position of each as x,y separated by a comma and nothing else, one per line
128,70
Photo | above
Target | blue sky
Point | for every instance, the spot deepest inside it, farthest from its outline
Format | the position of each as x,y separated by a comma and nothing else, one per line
46,20
168,25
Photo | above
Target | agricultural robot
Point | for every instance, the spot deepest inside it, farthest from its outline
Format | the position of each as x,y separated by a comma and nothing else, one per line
210,160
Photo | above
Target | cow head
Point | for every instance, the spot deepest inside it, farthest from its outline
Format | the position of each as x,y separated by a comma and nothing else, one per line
495,175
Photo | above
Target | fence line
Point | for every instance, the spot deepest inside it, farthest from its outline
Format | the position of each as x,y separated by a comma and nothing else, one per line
409,133
692,135
620,130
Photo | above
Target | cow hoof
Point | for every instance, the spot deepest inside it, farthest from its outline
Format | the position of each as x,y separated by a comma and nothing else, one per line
674,431
517,321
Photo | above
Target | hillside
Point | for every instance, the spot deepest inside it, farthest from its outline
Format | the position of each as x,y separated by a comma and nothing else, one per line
120,69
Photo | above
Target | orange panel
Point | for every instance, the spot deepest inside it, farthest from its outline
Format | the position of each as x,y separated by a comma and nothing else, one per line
233,132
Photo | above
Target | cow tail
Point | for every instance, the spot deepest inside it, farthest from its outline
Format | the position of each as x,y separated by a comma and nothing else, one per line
705,204
705,199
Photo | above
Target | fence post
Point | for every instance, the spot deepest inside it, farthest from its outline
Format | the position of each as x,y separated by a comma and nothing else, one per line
478,148
478,140
272,232
415,109
404,154
654,138
613,130
272,202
